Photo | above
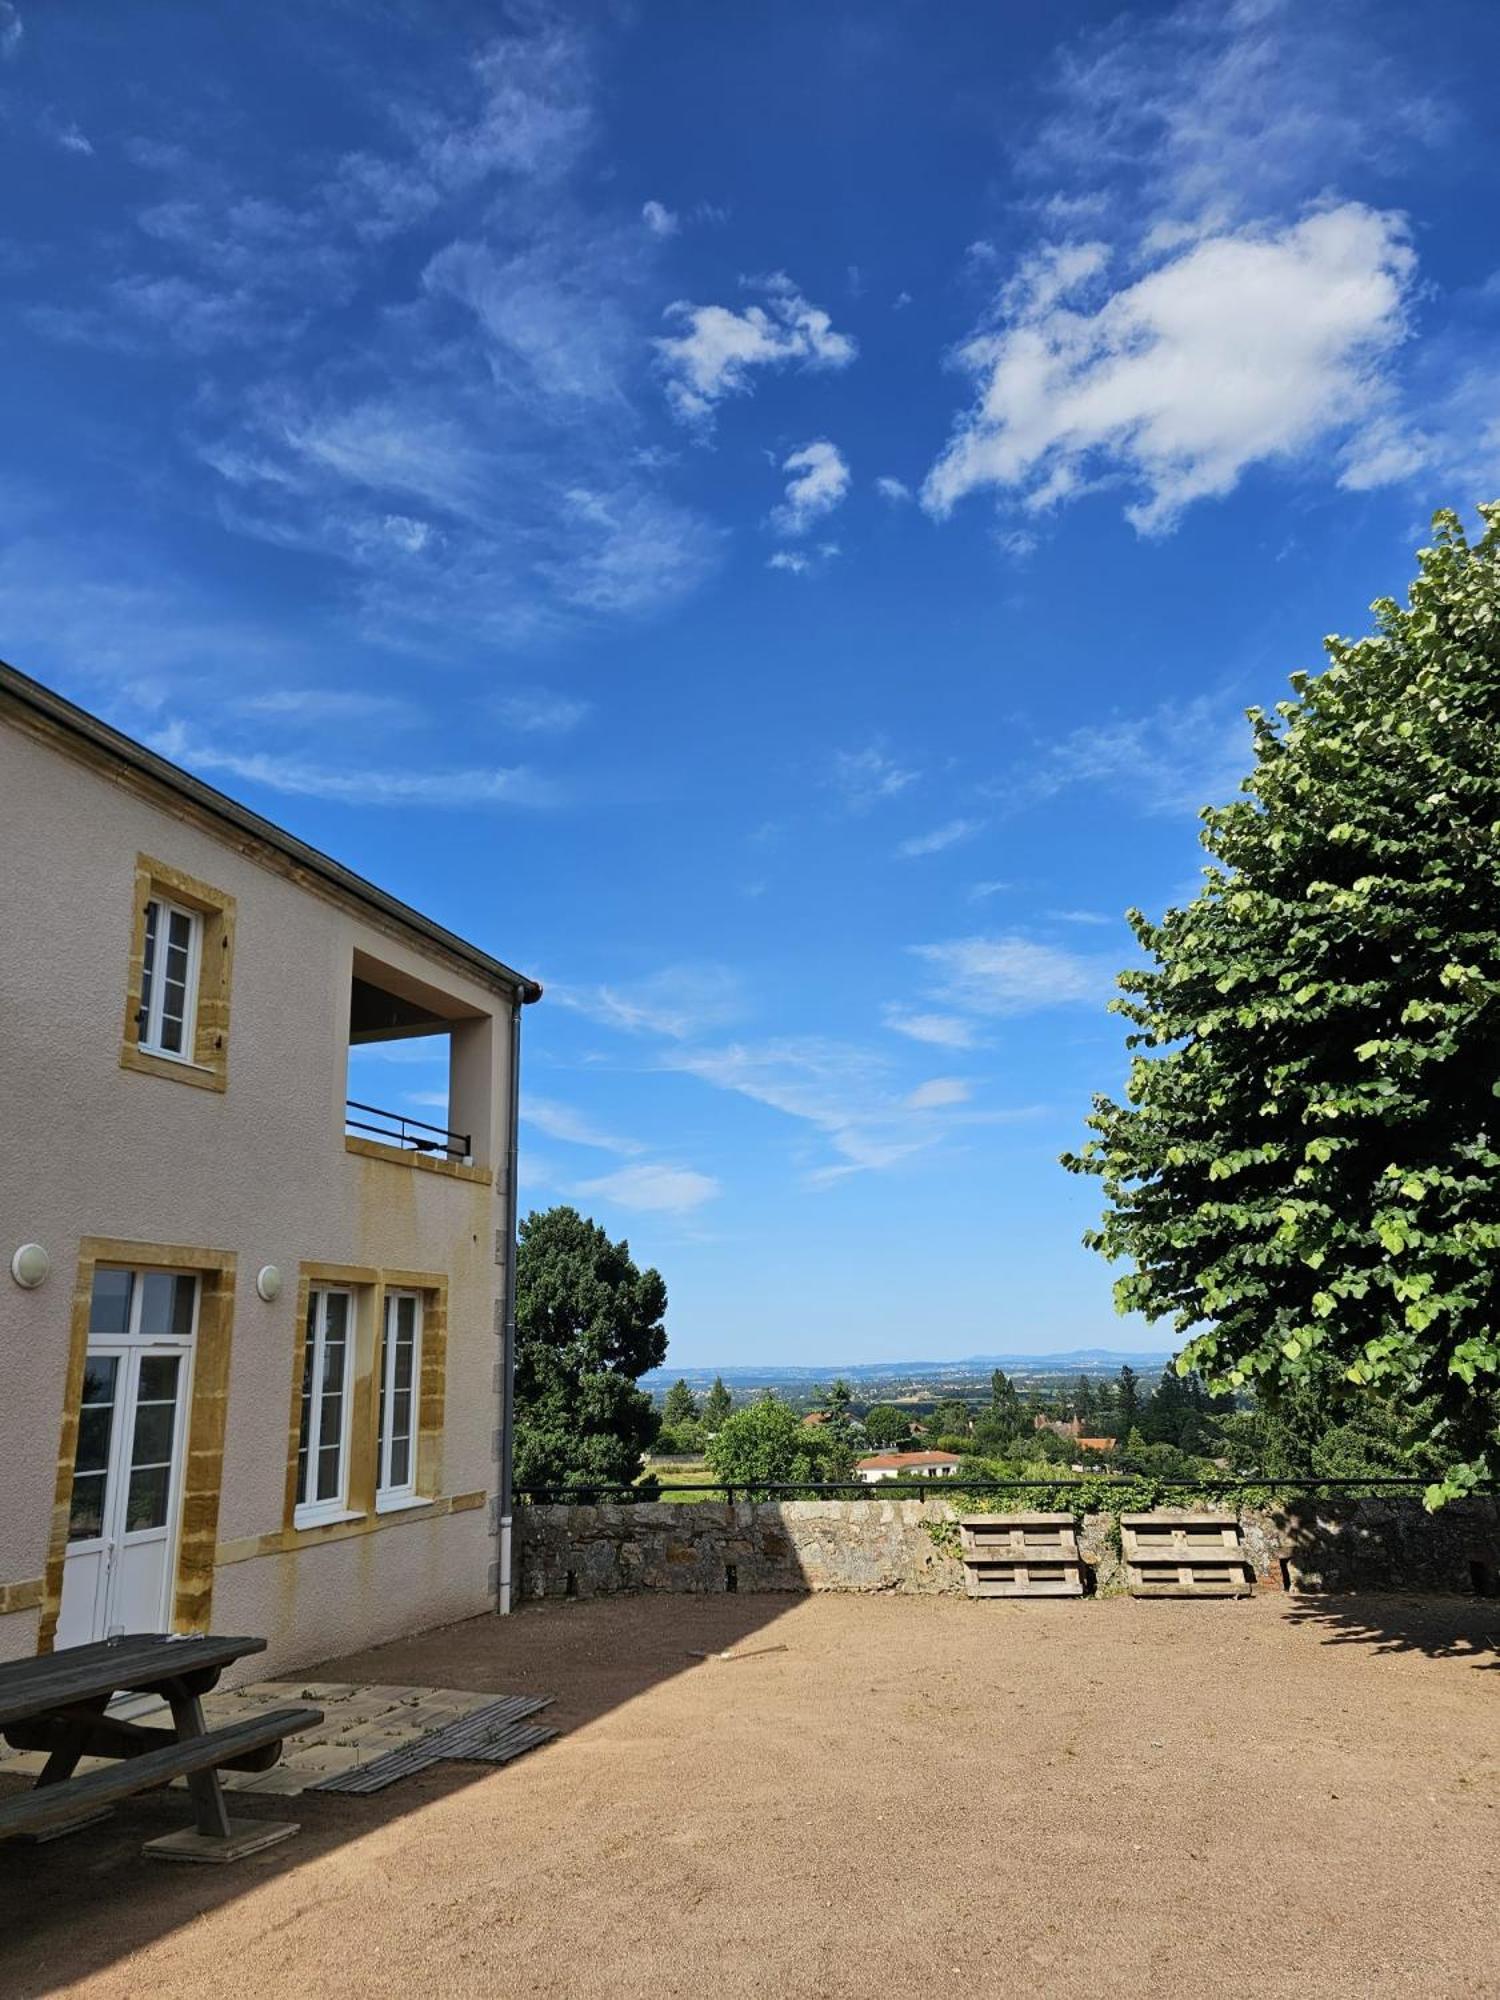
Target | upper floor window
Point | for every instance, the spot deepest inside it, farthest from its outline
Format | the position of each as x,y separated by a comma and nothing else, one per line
177,996
400,1376
323,1440
169,980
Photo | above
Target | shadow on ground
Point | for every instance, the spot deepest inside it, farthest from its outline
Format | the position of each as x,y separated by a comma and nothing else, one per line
72,1907
1441,1628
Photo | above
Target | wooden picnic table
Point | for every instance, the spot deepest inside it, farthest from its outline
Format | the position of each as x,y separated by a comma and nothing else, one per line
58,1703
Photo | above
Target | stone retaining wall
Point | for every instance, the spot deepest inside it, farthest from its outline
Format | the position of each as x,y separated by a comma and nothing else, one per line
911,1546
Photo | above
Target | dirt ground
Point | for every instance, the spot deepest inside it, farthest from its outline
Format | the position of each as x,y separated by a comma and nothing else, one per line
1274,1797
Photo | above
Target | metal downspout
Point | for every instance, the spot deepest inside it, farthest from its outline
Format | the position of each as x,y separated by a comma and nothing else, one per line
508,1307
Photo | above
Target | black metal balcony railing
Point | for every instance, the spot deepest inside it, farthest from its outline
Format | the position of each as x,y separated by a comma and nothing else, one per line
416,1134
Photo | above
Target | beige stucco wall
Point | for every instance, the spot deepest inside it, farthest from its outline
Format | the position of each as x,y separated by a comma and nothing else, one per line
91,1149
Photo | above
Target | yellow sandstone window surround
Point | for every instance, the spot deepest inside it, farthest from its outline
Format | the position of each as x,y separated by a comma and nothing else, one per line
369,1368
177,991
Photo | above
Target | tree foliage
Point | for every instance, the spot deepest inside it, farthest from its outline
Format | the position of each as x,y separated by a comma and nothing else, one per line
588,1322
681,1405
767,1444
886,1425
716,1405
1304,1172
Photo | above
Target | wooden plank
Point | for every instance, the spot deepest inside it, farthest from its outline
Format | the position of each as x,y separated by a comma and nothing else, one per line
140,1665
184,1758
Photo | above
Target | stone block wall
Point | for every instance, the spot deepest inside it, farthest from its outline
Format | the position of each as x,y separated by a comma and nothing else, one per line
911,1546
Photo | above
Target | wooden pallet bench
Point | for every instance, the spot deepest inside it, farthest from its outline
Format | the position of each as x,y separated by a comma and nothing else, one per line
1020,1555
1185,1555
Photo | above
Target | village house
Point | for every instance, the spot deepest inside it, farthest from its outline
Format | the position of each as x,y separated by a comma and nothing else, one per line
906,1465
255,1336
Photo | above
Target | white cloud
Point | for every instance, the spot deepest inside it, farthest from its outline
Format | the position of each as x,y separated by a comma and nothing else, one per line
12,31
653,1189
845,1094
1248,346
1090,917
574,1128
314,705
659,220
679,1001
895,490
540,714
803,562
64,132
819,482
981,891
868,777
948,835
1014,975
301,777
1194,115
1176,759
942,1031
937,1092
716,354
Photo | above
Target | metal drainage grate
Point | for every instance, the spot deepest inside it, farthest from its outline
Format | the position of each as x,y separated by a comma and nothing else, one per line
491,1735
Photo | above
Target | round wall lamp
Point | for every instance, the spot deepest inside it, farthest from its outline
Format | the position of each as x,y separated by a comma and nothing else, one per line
30,1266
268,1283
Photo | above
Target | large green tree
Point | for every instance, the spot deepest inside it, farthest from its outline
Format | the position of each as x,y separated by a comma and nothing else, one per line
588,1322
1304,1171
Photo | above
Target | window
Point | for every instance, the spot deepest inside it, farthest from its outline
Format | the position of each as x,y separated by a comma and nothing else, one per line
177,996
323,1440
400,1375
169,980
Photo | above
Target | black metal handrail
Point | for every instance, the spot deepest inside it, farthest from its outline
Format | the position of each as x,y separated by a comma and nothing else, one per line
404,1131
884,1489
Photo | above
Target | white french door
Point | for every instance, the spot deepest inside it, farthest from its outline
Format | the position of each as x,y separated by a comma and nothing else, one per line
120,1565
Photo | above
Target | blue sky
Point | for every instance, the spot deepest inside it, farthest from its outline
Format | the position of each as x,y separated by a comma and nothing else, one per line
765,517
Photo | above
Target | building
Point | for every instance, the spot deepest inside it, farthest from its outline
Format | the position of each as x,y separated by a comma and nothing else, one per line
906,1465
254,1337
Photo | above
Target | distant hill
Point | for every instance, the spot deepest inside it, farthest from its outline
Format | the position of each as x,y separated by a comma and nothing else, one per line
1072,1361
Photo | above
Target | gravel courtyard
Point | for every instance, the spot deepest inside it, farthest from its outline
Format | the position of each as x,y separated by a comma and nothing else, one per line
1274,1797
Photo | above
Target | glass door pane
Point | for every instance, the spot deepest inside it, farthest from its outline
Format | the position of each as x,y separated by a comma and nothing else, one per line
96,1420
151,1450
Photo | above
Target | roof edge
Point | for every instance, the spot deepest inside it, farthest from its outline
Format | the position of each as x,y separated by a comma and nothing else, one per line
68,717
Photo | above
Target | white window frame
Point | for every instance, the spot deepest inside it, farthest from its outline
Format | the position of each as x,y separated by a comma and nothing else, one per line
148,1029
388,1496
313,1513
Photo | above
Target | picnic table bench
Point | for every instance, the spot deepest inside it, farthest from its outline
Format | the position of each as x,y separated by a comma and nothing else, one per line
58,1703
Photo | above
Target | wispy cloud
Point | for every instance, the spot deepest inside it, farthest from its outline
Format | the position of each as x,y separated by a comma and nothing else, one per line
938,1092
950,834
653,1189
1091,917
819,482
942,1031
12,31
62,132
803,561
354,785
719,350
867,777
660,220
540,714
1014,975
895,490
679,1001
1175,759
574,1128
466,441
846,1094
